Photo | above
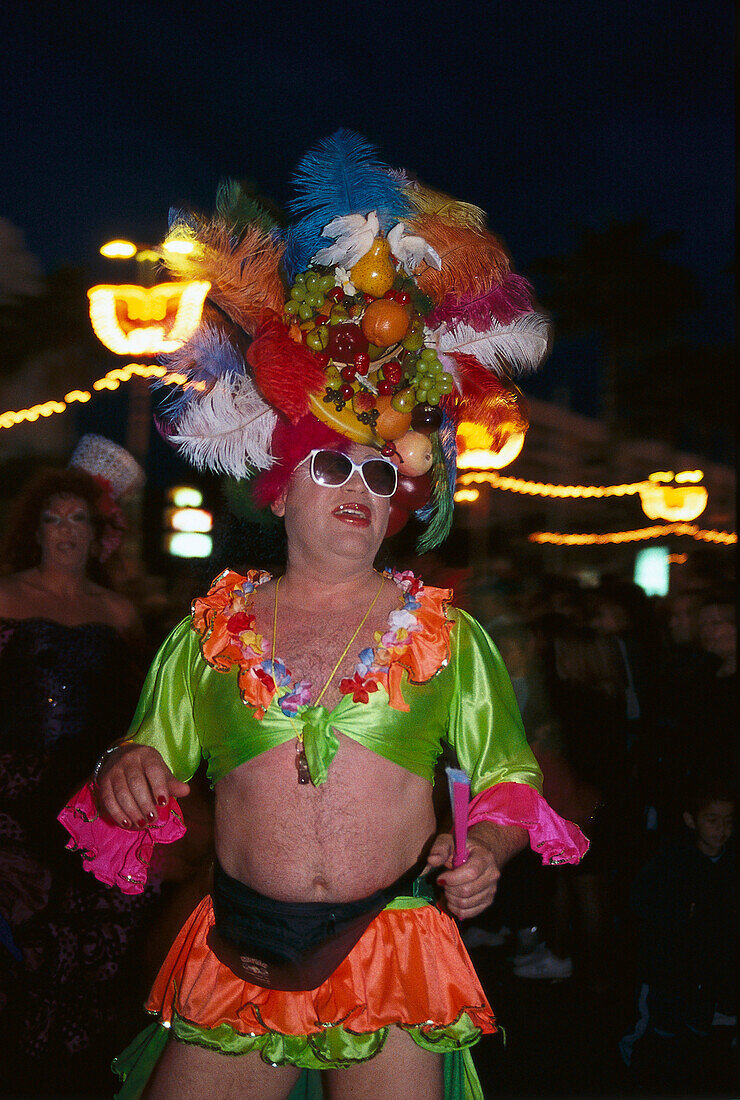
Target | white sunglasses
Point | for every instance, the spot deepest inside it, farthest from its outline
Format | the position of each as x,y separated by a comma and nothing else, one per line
333,469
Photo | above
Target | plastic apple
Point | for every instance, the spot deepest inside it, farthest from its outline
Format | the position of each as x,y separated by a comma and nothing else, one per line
415,453
412,493
345,342
398,517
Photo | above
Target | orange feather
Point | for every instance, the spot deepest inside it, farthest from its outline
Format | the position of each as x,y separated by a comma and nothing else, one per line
244,276
472,261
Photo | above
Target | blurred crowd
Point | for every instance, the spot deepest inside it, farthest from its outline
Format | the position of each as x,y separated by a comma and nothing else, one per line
628,703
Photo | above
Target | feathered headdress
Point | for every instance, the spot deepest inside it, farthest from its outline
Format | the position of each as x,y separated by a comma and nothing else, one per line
383,312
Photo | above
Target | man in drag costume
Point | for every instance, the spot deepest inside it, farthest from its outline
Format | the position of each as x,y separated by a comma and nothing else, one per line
334,362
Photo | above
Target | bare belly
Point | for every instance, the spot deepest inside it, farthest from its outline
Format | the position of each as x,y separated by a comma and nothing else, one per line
354,834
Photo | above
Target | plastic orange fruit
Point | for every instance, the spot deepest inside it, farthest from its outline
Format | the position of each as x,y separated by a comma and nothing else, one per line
391,424
385,322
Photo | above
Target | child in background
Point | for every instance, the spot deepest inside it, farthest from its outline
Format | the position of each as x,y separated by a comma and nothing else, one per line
684,900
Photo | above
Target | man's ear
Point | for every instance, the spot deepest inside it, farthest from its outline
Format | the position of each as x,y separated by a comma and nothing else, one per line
277,507
688,820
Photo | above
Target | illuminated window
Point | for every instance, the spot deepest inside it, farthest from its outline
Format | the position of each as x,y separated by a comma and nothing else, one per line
652,570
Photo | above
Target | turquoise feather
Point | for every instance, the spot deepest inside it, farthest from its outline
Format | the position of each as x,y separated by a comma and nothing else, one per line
441,519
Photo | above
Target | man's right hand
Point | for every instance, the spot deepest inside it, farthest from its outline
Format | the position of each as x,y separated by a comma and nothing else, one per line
133,783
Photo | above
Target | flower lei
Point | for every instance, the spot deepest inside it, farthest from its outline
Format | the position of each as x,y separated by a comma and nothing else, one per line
228,637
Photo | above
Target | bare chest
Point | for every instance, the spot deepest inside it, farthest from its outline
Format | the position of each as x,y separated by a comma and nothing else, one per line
31,602
323,648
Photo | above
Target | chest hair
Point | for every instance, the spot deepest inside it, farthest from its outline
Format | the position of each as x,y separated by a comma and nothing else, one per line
310,642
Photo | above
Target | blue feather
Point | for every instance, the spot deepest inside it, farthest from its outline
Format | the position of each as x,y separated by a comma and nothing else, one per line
207,356
341,175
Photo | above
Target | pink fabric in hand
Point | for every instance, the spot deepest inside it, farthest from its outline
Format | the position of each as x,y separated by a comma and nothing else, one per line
116,856
557,840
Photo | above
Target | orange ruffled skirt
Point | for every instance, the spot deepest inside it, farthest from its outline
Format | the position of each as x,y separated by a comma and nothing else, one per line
409,969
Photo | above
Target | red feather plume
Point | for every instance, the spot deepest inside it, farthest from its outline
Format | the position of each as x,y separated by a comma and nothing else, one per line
285,372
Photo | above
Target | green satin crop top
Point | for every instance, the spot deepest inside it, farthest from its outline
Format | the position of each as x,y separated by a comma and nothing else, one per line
189,708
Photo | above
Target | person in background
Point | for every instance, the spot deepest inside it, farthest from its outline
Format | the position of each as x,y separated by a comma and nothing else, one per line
682,691
584,776
718,638
68,677
684,900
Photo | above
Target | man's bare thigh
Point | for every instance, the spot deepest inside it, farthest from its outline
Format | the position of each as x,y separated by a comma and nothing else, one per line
401,1068
189,1072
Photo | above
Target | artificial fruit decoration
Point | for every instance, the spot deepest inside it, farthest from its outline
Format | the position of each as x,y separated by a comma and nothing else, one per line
392,423
374,272
413,454
385,322
411,494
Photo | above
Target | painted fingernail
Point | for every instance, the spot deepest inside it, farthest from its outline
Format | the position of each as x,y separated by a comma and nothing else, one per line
126,823
141,823
162,800
151,815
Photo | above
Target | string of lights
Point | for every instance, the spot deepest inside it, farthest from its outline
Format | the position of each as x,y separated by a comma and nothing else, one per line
110,381
540,489
726,538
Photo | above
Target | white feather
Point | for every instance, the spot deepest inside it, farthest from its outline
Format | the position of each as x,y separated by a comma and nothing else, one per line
229,430
517,348
354,236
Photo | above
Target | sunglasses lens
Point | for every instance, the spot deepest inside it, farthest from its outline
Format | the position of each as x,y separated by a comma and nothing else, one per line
330,468
380,477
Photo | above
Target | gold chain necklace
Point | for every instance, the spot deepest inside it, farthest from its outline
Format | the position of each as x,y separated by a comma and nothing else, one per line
301,763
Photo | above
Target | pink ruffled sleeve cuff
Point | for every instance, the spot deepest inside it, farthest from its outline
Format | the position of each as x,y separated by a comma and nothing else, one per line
118,857
557,840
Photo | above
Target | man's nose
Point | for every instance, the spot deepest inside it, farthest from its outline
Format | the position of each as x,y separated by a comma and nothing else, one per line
356,483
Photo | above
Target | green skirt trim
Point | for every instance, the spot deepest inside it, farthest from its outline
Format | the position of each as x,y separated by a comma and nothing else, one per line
331,1048
136,1064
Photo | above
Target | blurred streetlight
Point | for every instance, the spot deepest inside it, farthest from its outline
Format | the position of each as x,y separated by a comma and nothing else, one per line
674,497
477,451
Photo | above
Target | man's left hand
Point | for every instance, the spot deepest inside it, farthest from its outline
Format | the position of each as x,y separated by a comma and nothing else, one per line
468,889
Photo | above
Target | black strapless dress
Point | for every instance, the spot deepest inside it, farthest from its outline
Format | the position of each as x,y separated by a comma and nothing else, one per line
65,988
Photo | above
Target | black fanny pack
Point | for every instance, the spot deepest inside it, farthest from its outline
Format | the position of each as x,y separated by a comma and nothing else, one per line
292,945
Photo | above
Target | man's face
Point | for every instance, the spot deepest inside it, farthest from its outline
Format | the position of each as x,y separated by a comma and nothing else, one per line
65,532
712,826
348,521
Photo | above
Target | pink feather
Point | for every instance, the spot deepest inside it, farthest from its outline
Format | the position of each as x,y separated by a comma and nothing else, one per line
504,301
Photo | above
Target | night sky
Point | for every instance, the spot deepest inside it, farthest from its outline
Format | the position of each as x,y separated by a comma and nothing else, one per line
547,114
